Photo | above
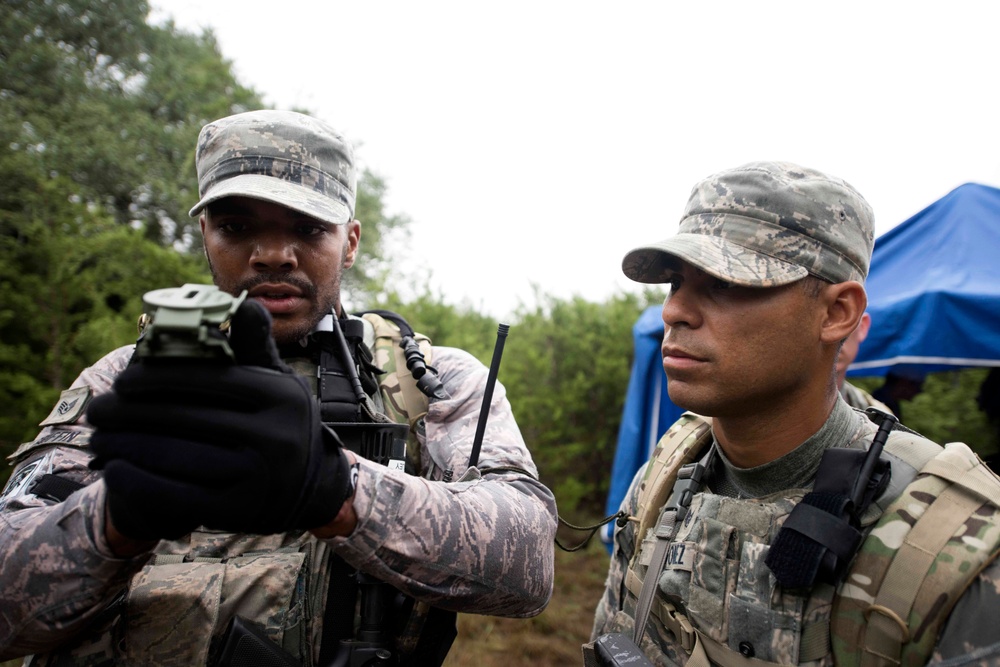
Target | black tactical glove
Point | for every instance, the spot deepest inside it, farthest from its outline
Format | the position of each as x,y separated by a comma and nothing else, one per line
236,447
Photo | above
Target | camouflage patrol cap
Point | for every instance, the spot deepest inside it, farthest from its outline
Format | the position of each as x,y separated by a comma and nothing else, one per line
766,224
283,157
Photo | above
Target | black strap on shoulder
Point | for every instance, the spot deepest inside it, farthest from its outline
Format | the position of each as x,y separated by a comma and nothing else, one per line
819,537
395,318
54,487
345,372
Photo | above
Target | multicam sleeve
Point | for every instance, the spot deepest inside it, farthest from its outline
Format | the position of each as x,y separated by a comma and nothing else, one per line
972,635
483,543
58,571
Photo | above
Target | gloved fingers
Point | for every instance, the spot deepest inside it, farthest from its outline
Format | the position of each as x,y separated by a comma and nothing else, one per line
149,489
228,410
240,388
146,505
183,460
250,337
275,434
148,502
153,523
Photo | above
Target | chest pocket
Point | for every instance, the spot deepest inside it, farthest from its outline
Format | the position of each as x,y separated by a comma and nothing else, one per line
715,571
172,604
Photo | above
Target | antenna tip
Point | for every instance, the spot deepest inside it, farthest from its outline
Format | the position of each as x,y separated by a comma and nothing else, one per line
503,329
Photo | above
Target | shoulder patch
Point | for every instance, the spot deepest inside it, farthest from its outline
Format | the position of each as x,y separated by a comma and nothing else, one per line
22,480
69,407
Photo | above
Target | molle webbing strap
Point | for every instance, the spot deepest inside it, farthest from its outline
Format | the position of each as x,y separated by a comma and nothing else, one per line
708,652
679,445
927,548
889,617
978,479
677,622
686,484
887,626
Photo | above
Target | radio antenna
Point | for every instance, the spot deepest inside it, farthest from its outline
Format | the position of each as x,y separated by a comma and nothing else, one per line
491,381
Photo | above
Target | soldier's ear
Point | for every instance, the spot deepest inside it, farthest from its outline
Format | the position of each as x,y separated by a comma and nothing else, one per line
845,305
353,233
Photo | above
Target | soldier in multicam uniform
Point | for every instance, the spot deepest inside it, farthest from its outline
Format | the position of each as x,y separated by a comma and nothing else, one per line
765,282
196,510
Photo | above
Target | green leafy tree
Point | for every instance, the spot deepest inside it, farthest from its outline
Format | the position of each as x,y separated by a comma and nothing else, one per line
100,97
444,323
185,83
566,371
383,236
946,410
99,113
73,281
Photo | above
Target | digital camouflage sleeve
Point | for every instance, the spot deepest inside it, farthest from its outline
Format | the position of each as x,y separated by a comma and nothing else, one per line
482,544
470,546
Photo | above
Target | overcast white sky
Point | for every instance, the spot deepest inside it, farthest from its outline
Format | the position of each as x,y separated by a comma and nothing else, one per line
535,142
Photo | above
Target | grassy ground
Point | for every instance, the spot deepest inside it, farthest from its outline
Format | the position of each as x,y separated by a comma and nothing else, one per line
551,639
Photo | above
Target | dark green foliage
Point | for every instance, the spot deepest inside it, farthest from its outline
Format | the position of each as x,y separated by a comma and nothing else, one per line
98,118
566,366
95,95
445,323
566,369
72,281
946,411
380,234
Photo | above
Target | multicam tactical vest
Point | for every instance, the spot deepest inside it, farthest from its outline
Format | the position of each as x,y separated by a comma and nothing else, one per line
176,609
715,600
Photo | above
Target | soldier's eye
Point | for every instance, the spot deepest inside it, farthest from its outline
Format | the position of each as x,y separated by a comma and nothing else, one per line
231,225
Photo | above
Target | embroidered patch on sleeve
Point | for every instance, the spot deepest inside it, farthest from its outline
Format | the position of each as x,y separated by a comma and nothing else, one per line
69,407
22,480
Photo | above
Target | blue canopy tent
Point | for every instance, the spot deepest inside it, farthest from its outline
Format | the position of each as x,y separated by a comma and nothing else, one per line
934,288
934,299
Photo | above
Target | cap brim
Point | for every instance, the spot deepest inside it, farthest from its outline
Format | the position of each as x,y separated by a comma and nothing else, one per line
277,191
715,256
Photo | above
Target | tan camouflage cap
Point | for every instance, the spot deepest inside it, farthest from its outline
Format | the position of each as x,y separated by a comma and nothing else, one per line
282,157
766,224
